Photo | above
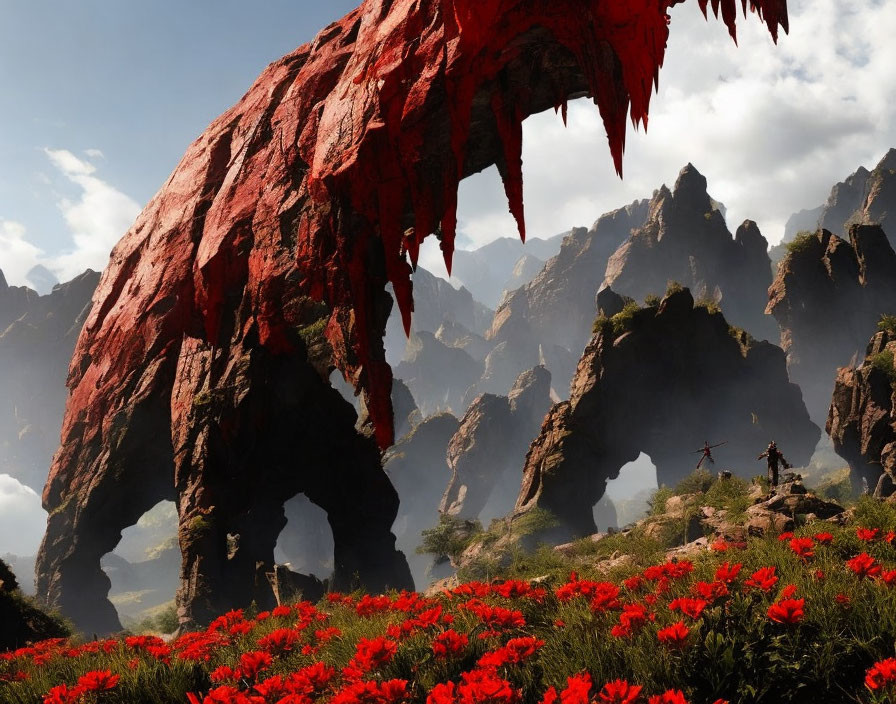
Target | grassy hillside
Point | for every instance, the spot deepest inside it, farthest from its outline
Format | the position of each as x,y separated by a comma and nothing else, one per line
808,617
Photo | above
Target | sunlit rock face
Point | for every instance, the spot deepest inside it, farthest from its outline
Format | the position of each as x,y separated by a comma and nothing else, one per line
661,380
201,372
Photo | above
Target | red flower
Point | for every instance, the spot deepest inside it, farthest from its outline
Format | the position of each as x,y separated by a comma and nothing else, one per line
63,695
224,674
251,664
670,696
727,573
97,681
864,566
787,535
823,538
867,534
633,584
550,696
449,644
689,607
787,611
842,599
802,547
619,692
788,591
710,591
675,635
763,578
882,674
888,577
578,689
719,545
279,641
484,686
441,694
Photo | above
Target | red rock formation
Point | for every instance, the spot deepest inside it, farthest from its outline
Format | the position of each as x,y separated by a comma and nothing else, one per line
201,371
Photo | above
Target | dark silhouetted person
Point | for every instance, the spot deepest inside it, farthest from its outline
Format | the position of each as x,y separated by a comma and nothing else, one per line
774,457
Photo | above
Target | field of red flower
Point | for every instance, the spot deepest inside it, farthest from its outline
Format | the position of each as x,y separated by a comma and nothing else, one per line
789,618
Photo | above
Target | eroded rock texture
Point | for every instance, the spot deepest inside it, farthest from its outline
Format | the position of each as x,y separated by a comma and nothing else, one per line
660,381
862,417
828,297
685,239
37,336
549,319
487,453
201,372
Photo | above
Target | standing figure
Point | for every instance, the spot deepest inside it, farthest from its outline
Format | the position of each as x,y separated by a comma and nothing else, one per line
706,452
774,456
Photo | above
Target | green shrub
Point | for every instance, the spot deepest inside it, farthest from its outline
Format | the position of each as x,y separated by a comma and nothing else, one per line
803,242
887,323
658,501
673,287
883,361
696,482
710,304
622,321
651,300
732,495
449,538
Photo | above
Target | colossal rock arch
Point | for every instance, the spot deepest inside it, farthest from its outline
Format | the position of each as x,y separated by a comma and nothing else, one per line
201,372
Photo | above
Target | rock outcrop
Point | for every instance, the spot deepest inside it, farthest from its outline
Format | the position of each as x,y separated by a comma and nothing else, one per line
436,302
862,417
37,336
685,239
201,374
437,375
487,453
862,198
501,265
549,319
23,623
660,380
865,197
418,469
828,297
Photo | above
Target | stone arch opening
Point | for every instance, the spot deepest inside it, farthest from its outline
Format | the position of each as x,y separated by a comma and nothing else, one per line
305,545
144,568
629,493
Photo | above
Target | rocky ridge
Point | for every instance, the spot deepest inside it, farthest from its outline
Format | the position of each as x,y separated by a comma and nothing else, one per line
661,380
828,296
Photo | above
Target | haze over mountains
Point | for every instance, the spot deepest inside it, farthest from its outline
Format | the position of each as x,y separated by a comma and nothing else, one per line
486,359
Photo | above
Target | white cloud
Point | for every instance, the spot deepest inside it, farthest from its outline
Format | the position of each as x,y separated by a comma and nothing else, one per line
97,219
17,255
771,127
94,154
22,519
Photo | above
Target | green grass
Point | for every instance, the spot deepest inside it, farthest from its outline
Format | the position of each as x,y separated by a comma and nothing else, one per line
883,361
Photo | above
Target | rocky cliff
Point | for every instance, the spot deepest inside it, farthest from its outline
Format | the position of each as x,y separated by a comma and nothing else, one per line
828,296
685,239
865,197
487,453
201,373
556,309
501,265
37,336
661,380
862,416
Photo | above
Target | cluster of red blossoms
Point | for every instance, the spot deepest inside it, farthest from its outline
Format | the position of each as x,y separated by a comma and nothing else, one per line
478,639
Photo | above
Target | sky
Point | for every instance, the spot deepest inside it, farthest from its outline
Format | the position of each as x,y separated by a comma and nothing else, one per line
99,99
